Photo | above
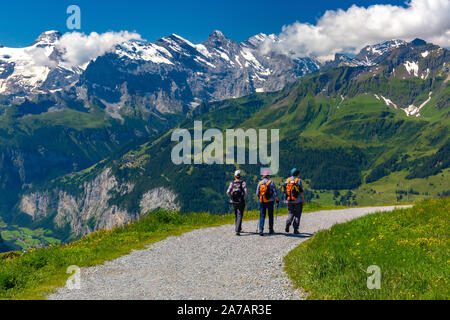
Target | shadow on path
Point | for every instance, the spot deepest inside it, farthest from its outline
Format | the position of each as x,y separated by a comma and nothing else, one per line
266,234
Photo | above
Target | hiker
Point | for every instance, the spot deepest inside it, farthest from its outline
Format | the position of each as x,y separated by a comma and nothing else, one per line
295,200
267,194
237,192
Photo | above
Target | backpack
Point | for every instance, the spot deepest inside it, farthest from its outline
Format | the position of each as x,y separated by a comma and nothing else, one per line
237,192
292,189
265,192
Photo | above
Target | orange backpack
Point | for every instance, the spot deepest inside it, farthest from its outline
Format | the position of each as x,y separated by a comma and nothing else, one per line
292,189
264,191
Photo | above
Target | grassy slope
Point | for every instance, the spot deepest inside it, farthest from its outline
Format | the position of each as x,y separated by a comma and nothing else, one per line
410,246
330,140
36,273
51,144
310,126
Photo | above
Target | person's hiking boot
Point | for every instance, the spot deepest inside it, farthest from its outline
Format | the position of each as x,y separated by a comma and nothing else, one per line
287,229
296,231
271,231
261,233
238,233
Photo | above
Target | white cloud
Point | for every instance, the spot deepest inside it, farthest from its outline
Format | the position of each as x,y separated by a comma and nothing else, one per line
352,29
40,57
79,48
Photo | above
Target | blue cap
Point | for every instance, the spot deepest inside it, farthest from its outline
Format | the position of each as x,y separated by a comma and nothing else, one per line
295,172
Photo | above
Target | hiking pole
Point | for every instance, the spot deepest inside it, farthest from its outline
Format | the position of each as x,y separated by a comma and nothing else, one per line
257,221
247,209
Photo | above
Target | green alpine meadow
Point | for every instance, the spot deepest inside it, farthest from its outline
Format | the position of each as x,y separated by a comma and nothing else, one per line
411,248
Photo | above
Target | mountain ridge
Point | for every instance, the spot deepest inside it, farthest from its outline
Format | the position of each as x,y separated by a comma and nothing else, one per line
54,55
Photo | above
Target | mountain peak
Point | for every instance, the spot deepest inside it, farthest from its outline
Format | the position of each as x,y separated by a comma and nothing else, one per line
384,46
371,53
178,38
174,35
341,57
217,33
259,38
48,37
418,42
217,36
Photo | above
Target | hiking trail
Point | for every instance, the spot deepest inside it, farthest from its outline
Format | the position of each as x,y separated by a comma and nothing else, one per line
211,263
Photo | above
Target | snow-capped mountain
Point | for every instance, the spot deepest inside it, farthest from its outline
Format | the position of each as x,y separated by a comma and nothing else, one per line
342,60
415,59
36,69
373,53
369,56
167,75
173,74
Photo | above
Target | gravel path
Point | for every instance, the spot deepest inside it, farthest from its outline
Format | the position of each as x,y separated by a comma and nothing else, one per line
209,263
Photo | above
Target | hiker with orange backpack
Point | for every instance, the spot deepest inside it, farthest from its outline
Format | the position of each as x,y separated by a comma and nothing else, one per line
267,194
295,200
237,192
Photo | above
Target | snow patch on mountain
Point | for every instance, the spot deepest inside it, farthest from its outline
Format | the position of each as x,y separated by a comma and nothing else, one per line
424,76
389,102
201,60
246,53
224,56
425,54
342,100
412,67
145,52
415,111
203,50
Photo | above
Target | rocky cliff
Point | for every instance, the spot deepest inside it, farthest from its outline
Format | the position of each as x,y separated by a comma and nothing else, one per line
90,209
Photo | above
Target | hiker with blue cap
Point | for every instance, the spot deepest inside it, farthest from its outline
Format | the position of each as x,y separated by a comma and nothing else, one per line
295,200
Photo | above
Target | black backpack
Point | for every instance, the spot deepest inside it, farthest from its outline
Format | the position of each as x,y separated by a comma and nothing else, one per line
237,192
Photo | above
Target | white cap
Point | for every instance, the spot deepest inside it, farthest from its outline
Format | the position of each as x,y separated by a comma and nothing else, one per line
237,173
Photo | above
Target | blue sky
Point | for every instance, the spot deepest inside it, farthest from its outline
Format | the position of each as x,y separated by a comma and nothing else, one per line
22,21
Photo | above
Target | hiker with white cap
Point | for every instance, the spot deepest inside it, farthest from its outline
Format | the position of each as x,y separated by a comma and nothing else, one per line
237,192
267,194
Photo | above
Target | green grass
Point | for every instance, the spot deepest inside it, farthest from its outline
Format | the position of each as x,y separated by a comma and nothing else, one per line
20,238
36,273
411,247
